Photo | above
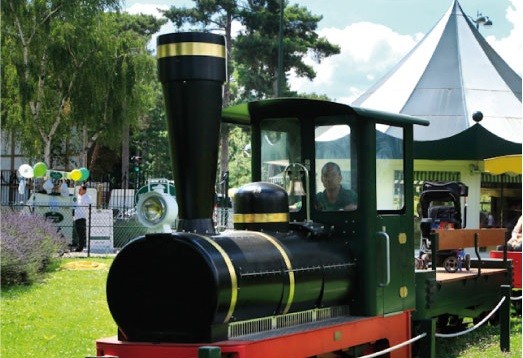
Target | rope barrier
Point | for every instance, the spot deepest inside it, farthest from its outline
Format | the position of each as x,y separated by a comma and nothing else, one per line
449,335
397,346
516,298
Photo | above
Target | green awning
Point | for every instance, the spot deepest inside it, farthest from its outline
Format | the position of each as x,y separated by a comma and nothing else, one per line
504,178
420,177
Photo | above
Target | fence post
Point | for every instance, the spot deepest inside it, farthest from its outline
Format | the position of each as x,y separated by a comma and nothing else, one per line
504,320
89,233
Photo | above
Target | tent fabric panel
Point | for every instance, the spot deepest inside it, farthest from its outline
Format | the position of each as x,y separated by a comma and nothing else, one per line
440,127
509,76
478,72
443,69
476,143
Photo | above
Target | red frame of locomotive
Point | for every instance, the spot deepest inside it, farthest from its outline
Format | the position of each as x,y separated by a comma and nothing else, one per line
394,328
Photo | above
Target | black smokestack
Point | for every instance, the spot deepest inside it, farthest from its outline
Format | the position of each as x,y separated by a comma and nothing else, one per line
192,70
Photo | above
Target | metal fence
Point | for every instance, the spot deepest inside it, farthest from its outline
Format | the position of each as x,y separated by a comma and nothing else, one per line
108,230
112,222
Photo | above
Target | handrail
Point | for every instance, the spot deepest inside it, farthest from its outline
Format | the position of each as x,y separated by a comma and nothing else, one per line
387,258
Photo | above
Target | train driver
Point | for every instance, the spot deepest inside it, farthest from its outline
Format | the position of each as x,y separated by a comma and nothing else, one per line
334,197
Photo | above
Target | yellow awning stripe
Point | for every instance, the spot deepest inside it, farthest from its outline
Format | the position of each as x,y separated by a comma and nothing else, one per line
506,164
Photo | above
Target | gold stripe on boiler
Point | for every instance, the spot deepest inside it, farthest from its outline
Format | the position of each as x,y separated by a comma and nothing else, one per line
232,274
260,218
287,260
288,266
190,49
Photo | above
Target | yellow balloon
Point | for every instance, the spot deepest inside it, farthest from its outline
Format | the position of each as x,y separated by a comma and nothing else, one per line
76,175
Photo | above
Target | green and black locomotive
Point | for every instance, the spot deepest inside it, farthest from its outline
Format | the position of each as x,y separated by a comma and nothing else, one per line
295,278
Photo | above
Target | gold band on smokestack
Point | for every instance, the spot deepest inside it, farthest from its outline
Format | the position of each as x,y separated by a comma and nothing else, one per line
192,70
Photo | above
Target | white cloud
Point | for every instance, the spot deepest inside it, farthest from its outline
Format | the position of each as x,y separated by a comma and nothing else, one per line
368,51
146,9
510,48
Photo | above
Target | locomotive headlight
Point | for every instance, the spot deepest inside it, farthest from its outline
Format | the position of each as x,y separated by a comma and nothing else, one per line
157,211
154,209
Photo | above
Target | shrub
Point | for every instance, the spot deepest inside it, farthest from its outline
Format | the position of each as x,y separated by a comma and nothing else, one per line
28,244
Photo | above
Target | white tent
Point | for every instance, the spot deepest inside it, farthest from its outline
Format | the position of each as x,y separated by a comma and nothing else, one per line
448,76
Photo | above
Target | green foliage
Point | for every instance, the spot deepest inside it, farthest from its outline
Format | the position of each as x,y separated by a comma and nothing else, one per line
28,245
253,56
78,74
256,48
52,42
239,157
152,142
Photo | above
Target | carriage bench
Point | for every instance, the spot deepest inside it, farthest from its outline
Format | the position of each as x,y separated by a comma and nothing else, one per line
470,238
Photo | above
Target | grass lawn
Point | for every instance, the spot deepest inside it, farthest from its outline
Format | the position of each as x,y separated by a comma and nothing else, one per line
482,342
63,315
60,317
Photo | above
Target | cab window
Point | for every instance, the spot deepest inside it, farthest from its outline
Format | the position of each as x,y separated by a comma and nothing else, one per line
335,179
390,186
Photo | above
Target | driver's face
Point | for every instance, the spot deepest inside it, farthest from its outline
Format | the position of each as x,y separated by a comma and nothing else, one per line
331,179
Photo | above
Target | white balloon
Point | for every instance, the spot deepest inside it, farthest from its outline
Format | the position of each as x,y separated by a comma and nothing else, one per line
26,171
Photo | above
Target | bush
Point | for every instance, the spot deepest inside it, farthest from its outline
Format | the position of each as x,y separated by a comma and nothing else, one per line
28,244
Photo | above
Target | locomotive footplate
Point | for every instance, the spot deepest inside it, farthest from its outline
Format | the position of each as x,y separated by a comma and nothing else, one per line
307,340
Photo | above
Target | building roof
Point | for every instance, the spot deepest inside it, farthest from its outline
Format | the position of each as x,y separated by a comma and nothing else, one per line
448,76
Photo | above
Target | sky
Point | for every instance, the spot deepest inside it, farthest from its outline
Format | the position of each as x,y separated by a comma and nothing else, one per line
374,35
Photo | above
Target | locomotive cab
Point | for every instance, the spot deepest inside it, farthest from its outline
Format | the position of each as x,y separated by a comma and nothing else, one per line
294,138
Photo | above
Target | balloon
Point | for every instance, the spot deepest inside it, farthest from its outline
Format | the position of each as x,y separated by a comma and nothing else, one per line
26,171
55,175
40,169
85,173
76,175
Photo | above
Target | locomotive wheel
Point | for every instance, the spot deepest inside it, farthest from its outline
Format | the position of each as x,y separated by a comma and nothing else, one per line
467,262
492,321
447,323
451,264
478,319
427,261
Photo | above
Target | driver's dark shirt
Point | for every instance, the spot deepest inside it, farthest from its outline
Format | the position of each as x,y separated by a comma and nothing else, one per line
345,197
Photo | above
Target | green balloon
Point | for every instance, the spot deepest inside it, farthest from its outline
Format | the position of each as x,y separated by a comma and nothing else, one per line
40,169
85,174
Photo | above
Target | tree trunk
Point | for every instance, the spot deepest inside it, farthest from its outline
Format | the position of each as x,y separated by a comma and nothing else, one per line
125,155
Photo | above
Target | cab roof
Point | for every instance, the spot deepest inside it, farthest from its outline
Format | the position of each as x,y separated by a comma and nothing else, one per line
283,107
